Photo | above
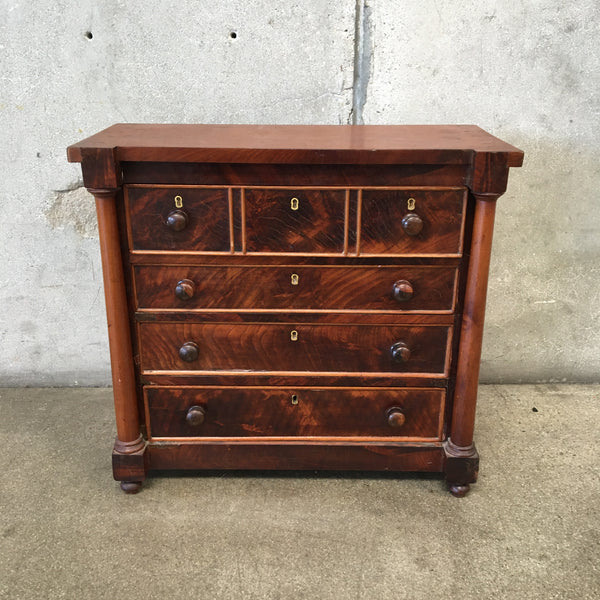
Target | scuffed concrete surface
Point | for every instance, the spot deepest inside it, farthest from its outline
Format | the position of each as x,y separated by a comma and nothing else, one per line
73,208
528,72
527,530
144,62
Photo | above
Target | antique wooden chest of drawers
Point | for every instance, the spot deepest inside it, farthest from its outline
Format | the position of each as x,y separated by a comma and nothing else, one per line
295,297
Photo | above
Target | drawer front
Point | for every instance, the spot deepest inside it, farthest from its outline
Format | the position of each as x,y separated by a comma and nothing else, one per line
295,220
294,347
184,219
264,412
405,222
397,288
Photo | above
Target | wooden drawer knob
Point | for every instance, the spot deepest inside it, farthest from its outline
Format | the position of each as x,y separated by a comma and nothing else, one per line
400,352
184,290
189,352
395,417
195,416
403,290
412,224
177,220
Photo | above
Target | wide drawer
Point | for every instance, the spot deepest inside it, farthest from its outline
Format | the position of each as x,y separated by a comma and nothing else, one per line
274,412
295,220
277,347
408,222
397,288
179,218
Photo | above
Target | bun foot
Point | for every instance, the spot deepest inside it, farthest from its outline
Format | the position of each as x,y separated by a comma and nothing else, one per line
459,491
131,487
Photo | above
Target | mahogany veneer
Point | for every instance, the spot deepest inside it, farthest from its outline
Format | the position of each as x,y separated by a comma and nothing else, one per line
295,297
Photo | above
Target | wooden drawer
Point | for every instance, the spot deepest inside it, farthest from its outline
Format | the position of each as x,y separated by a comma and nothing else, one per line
295,220
406,222
276,347
204,216
275,412
296,288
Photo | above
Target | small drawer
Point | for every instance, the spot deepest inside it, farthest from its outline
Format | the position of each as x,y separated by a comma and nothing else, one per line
294,288
178,218
295,221
201,412
408,222
276,347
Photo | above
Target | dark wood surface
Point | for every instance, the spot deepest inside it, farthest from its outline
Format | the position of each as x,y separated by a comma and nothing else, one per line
298,297
269,347
240,174
295,288
292,318
303,455
316,224
207,211
374,144
293,379
441,212
283,412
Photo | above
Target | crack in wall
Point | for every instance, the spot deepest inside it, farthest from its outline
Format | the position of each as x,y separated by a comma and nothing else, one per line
363,56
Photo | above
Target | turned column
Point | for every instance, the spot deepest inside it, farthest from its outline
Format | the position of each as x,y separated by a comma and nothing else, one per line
465,395
128,439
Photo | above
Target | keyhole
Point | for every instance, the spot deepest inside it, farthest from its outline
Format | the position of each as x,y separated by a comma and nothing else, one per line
294,399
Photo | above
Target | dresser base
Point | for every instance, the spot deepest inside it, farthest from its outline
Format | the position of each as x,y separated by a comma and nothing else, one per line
435,457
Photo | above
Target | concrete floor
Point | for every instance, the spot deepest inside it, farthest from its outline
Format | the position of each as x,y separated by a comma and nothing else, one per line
528,530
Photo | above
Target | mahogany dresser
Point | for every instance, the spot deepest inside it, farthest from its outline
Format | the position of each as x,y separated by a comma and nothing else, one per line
295,297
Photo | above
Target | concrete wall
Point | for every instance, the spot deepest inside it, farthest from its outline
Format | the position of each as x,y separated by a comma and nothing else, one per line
527,72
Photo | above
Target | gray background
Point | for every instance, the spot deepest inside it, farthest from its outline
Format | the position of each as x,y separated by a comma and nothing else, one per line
526,71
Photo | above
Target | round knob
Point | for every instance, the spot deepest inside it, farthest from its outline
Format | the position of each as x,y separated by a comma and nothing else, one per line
403,290
184,290
412,224
195,416
400,352
189,352
177,220
395,417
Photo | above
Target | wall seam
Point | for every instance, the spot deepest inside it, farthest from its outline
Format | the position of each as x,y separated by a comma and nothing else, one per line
363,55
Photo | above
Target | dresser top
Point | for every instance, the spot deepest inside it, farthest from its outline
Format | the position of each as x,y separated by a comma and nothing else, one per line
324,144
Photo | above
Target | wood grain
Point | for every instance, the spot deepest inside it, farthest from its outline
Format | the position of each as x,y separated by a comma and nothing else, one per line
257,397
357,456
317,225
268,347
442,213
469,354
121,356
322,288
241,412
321,144
287,175
207,210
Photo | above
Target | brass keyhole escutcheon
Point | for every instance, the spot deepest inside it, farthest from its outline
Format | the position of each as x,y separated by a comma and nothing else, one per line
294,335
294,202
178,202
294,399
295,279
411,204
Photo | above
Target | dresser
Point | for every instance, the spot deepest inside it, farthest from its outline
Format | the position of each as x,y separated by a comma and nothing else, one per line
295,297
